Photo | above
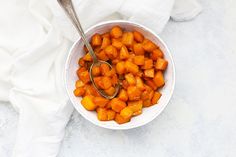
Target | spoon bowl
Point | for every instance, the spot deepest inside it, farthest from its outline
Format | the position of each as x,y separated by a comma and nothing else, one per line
117,87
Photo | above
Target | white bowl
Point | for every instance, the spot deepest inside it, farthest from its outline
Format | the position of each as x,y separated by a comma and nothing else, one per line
148,113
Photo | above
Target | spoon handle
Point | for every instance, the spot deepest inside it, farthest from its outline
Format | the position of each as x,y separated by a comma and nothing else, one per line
70,11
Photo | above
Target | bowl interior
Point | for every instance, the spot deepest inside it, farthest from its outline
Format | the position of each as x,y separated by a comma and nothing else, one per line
148,113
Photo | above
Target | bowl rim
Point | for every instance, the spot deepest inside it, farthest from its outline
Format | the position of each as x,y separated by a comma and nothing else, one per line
167,51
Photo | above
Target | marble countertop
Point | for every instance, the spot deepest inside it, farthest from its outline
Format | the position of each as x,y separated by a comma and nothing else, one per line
199,120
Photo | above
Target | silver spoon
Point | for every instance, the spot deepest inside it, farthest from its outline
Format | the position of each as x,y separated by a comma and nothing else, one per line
70,11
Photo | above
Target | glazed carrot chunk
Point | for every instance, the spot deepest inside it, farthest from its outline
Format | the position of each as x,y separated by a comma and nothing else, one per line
124,54
159,79
84,76
161,64
149,73
96,71
90,90
148,64
79,84
140,73
147,97
131,57
139,60
108,106
133,93
102,56
138,36
137,113
79,91
148,45
106,35
96,40
120,119
98,81
117,105
88,103
114,80
116,32
156,97
139,83
105,42
150,94
102,114
110,91
111,52
144,95
128,38
81,69
120,67
111,72
157,53
135,105
131,67
151,83
123,95
130,79
111,115
115,61
106,82
87,57
100,101
147,87
125,84
126,112
147,103
81,62
117,43
104,68
97,49
138,49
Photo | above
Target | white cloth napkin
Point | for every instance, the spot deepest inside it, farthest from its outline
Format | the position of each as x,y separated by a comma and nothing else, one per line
35,37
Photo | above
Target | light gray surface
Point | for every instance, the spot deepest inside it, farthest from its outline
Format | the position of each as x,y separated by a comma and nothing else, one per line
200,119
